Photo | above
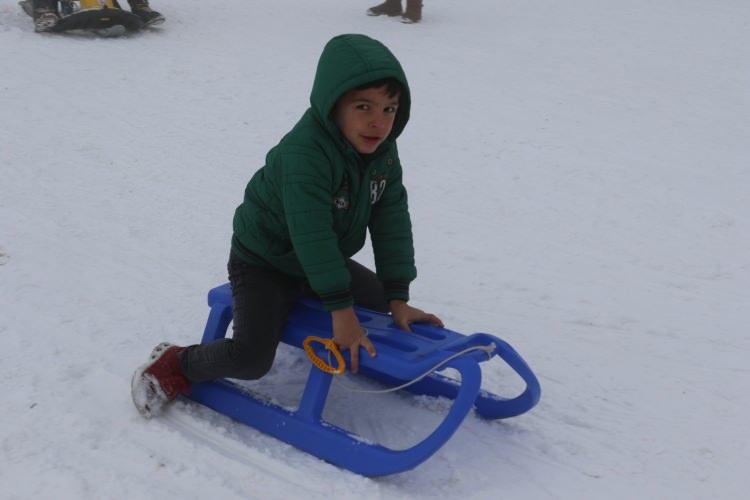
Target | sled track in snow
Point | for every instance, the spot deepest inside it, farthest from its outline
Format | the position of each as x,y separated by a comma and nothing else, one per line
204,433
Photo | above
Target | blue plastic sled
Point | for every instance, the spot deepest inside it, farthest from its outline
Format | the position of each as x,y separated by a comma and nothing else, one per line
401,357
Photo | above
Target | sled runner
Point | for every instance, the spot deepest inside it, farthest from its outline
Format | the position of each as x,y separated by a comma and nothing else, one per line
402,357
103,17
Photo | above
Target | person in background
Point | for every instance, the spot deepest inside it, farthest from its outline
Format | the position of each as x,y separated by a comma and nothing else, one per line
46,14
412,14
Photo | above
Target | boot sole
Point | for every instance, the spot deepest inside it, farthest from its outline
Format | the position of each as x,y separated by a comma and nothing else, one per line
155,22
375,14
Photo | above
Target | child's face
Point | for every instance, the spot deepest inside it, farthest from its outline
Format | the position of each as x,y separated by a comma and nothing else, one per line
365,117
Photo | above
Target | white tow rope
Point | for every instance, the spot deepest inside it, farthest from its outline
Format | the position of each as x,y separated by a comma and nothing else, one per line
488,349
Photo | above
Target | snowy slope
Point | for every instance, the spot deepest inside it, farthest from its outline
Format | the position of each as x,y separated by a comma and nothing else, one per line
579,184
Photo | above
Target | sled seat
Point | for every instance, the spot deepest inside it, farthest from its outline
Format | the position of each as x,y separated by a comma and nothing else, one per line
401,357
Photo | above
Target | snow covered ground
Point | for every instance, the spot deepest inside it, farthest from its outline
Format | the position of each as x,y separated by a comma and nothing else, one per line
580,186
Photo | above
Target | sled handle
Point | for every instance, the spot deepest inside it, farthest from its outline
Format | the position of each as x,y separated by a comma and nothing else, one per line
330,345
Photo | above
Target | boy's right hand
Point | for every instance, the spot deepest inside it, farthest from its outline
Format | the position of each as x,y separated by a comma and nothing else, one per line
348,334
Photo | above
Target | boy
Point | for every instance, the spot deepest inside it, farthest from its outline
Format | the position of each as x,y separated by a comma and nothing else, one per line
305,213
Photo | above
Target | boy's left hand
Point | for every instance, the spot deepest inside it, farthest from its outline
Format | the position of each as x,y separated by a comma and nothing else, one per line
404,315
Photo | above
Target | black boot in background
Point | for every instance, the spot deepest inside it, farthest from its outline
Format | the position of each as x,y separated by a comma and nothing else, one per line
388,8
142,9
45,15
413,13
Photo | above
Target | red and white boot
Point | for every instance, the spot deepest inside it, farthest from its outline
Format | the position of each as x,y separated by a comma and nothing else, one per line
159,381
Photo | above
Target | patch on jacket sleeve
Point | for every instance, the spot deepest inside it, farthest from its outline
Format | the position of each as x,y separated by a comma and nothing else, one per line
341,199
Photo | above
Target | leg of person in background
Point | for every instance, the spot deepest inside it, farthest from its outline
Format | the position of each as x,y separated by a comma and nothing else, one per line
45,15
388,8
142,9
413,13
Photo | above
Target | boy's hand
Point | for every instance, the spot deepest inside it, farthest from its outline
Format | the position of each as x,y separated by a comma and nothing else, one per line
348,334
404,315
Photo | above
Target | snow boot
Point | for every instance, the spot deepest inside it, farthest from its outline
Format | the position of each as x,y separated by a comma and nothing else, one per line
142,9
413,13
388,8
45,15
45,20
159,381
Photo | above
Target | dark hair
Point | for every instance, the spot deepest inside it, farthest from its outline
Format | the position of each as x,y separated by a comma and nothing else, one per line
393,86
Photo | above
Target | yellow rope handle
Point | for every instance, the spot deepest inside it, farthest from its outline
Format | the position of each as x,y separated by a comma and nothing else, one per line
322,365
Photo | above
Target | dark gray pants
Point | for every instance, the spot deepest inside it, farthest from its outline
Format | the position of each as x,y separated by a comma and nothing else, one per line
262,300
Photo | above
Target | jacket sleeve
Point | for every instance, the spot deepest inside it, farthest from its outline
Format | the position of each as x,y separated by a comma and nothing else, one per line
307,198
392,242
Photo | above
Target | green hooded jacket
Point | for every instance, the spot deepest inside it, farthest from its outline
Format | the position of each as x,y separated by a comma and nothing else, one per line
311,204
